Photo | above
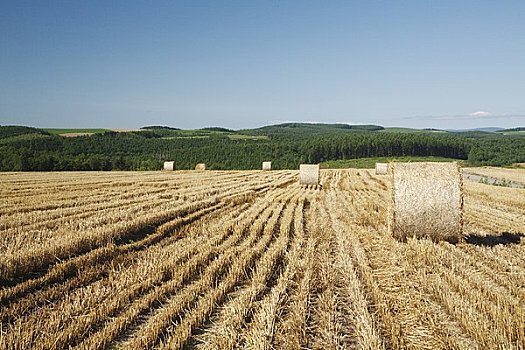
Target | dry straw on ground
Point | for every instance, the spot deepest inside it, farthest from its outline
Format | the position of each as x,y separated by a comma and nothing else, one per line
309,174
381,168
267,166
427,201
200,166
169,166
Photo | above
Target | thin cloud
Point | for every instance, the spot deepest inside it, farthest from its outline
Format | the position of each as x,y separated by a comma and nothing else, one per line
278,121
480,115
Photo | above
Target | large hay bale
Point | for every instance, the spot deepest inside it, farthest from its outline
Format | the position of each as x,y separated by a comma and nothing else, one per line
200,166
169,166
309,174
267,166
381,168
427,201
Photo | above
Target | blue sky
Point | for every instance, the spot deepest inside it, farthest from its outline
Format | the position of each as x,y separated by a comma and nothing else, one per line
240,64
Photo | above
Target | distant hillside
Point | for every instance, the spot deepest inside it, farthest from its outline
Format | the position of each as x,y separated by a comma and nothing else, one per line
410,130
16,130
309,129
487,129
216,128
75,132
286,145
158,127
521,128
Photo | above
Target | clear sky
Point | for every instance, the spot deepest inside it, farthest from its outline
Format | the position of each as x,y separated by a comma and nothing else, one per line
240,64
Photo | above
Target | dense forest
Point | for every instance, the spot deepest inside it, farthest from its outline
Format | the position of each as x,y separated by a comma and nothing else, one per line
286,145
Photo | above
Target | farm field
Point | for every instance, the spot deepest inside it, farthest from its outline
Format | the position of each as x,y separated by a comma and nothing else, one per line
250,260
515,175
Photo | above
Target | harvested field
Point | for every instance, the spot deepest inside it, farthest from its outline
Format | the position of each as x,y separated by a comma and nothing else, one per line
511,175
251,260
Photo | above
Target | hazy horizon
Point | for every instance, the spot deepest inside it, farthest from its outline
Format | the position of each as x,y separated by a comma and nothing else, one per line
444,65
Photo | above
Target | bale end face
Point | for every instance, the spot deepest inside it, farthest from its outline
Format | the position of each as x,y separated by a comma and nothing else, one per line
169,166
309,174
267,166
427,201
200,166
381,168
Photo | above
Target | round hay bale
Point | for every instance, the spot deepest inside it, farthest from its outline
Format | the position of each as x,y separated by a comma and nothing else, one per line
267,166
170,166
427,201
309,174
381,168
200,166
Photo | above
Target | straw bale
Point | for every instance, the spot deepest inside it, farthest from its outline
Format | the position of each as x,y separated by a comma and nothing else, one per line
309,174
381,168
169,166
267,166
427,201
200,166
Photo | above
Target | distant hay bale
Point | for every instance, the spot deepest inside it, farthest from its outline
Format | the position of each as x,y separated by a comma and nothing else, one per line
381,168
200,166
427,201
169,166
309,174
267,166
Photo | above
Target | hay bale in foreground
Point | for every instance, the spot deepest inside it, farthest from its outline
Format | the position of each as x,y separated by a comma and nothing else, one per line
309,174
170,166
267,166
427,201
200,166
381,168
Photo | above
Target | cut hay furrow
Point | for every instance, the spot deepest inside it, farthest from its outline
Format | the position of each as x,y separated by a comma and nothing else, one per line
14,240
479,279
96,265
203,296
344,321
122,286
275,260
501,265
493,221
226,328
486,203
390,280
480,304
130,190
54,218
517,251
290,332
250,259
505,314
51,195
46,256
474,323
410,323
355,304
166,224
130,317
325,330
260,331
490,270
488,200
497,221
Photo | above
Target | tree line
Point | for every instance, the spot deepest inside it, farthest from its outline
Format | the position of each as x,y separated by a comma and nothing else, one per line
147,150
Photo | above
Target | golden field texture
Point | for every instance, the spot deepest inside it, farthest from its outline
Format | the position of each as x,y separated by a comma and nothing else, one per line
250,260
515,175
